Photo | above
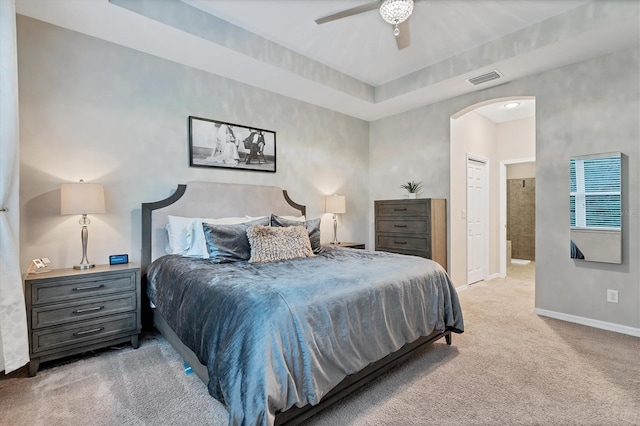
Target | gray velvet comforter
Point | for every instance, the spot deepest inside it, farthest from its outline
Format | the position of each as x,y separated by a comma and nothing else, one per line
278,334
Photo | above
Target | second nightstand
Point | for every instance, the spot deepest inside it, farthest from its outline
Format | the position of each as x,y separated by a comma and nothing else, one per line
72,311
350,245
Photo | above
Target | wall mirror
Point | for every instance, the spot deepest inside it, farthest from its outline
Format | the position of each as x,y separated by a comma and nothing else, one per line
596,207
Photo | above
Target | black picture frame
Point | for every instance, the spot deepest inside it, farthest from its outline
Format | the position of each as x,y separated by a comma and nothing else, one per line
218,144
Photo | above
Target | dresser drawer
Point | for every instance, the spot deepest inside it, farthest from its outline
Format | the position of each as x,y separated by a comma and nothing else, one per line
402,242
419,253
50,315
400,209
420,226
103,328
86,286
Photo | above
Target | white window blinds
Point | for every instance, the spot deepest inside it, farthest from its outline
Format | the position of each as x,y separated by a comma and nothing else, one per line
595,199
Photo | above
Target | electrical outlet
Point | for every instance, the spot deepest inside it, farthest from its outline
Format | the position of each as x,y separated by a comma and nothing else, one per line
612,296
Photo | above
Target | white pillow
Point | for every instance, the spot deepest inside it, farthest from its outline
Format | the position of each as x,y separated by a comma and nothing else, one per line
296,218
180,233
252,218
186,236
226,220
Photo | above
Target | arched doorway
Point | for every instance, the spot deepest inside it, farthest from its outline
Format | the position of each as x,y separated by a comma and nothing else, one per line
486,130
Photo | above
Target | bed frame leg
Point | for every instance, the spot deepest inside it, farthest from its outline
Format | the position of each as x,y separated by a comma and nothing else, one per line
447,338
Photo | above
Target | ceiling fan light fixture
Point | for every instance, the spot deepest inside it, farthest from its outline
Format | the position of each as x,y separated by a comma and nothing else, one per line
396,11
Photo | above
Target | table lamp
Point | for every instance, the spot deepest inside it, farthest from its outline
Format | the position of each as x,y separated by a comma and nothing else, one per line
335,204
82,198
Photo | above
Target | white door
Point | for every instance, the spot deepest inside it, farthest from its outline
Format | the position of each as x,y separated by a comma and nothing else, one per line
476,219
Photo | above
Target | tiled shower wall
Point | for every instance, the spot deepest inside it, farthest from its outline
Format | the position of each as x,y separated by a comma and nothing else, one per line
521,217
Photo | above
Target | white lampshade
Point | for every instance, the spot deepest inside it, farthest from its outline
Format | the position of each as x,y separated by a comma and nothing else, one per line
335,204
81,198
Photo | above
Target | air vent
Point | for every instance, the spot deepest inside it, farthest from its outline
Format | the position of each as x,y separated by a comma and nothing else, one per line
484,77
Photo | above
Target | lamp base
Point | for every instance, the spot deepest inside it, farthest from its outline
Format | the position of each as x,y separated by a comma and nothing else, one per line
335,230
84,236
84,266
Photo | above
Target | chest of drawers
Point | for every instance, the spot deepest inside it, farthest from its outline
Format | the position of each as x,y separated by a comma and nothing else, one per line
416,227
73,311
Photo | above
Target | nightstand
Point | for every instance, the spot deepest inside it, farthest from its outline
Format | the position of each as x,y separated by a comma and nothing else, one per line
72,311
350,245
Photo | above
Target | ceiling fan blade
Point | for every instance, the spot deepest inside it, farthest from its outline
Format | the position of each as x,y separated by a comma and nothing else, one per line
349,12
404,38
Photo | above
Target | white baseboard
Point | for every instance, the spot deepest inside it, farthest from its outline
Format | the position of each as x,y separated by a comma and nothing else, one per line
462,287
493,277
618,328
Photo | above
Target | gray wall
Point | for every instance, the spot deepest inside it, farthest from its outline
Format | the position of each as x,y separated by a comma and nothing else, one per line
95,110
584,108
90,109
591,107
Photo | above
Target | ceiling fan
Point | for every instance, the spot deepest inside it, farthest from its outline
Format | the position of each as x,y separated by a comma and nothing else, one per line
395,12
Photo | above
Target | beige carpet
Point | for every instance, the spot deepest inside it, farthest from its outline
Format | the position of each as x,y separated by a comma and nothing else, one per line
510,367
120,386
522,272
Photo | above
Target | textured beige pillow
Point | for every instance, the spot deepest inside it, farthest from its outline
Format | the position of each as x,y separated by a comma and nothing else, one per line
269,244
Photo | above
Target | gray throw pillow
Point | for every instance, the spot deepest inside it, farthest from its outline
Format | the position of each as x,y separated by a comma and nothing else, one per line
229,243
313,227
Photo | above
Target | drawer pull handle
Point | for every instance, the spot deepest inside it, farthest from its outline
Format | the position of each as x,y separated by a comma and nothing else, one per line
399,226
400,242
400,210
93,287
93,330
82,311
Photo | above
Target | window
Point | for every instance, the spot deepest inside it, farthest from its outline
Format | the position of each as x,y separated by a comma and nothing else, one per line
595,199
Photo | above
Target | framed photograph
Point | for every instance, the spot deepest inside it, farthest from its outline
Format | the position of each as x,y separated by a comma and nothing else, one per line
215,143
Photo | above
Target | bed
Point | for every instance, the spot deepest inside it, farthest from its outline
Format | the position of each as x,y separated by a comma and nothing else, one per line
277,342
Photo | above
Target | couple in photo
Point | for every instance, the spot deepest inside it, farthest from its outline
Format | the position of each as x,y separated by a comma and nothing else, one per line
226,149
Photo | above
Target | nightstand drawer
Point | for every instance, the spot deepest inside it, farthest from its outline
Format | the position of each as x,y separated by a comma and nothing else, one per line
45,292
402,243
345,244
57,337
419,226
50,315
402,209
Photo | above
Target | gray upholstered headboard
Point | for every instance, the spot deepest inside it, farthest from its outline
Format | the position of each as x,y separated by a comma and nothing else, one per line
209,200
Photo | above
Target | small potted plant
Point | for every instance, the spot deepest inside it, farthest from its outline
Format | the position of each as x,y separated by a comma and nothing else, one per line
413,188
